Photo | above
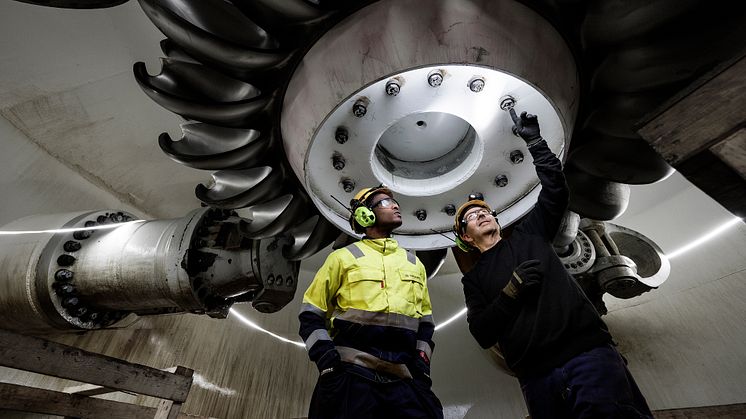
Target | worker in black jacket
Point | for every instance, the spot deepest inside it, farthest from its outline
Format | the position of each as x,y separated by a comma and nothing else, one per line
520,297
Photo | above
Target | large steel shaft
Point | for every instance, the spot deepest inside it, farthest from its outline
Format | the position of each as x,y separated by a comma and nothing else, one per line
94,268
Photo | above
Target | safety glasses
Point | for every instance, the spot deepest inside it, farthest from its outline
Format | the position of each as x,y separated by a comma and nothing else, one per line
474,215
385,203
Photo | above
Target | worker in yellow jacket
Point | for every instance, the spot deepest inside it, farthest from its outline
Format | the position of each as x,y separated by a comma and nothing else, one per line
367,322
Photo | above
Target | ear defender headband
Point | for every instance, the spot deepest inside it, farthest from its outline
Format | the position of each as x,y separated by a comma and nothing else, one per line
362,215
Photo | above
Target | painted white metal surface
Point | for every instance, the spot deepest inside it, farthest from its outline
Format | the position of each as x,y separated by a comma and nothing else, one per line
404,41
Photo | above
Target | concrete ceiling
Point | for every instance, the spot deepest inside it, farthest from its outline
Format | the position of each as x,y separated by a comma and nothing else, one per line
66,84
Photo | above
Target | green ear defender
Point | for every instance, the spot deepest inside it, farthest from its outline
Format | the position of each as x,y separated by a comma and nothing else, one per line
364,216
465,247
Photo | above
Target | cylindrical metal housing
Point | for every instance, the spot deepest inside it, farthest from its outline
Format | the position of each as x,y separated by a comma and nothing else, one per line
444,134
89,270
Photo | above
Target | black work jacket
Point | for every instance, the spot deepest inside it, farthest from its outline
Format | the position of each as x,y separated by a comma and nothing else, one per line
546,329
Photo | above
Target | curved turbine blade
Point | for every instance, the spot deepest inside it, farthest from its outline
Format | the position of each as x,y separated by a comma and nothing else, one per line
223,20
210,147
76,4
273,217
211,49
309,237
197,82
233,114
596,198
240,188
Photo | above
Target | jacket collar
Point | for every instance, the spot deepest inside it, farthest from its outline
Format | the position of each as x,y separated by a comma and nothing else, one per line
385,246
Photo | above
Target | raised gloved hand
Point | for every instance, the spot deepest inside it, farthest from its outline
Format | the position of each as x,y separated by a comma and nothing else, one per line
526,276
526,126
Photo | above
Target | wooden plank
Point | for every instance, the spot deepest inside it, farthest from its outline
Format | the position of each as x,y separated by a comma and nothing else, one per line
50,358
732,151
168,409
88,390
30,399
703,117
729,411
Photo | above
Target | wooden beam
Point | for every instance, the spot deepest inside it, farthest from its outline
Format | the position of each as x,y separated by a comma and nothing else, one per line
50,358
168,409
37,400
709,111
727,411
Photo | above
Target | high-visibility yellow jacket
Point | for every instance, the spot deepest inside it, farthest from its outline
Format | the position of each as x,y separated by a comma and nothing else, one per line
368,305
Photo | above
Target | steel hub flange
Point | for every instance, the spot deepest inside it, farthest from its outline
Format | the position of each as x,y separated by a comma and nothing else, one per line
393,111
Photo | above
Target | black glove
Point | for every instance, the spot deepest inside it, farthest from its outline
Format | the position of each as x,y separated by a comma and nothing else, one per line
329,362
526,276
422,368
526,126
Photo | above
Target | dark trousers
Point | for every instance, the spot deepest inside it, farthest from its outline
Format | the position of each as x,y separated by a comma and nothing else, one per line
359,393
594,384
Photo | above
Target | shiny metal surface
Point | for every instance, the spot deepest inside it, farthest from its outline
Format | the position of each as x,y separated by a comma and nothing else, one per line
76,4
223,20
594,197
627,263
205,146
241,188
411,56
231,113
210,48
273,217
93,278
621,160
309,237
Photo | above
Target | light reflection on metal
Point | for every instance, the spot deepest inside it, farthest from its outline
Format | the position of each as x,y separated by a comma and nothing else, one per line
67,230
705,238
253,325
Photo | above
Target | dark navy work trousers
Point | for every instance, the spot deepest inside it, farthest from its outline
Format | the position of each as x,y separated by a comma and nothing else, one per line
595,384
358,393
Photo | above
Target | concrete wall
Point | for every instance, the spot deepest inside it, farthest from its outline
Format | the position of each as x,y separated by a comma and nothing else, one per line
33,182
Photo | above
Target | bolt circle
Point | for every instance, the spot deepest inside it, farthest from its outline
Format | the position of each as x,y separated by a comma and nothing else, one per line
341,136
435,79
507,103
516,156
348,185
71,246
65,260
82,234
338,162
359,109
476,84
393,88
63,275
